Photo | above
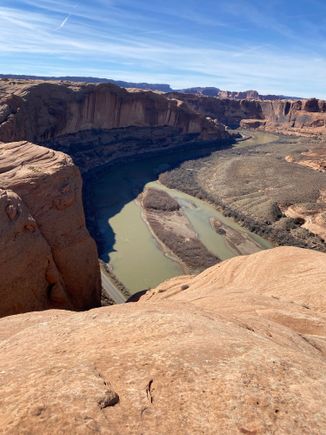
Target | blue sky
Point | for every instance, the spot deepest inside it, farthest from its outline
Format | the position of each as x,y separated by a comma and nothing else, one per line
273,46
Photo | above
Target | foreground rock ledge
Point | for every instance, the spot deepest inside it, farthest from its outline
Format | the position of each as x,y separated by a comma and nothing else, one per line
238,349
47,258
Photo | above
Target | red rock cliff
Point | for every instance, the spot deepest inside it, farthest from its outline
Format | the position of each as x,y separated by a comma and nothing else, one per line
47,258
298,116
39,111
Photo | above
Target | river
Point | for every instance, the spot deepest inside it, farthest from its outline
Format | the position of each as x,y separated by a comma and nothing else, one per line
127,243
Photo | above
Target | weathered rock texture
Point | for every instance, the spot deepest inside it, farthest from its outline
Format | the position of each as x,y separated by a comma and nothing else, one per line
239,349
296,116
92,116
314,159
47,258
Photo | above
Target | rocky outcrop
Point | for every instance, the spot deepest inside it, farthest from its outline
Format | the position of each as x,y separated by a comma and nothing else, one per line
161,87
242,95
314,159
40,112
239,349
294,116
47,258
302,116
228,111
235,95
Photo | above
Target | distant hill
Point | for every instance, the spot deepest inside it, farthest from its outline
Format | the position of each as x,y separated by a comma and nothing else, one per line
122,84
208,91
242,95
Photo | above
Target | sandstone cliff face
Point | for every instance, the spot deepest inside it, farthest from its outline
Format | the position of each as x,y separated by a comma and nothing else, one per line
306,116
238,349
47,258
227,111
242,95
39,111
302,116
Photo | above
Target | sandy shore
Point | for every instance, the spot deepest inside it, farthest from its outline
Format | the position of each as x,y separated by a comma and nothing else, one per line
238,242
174,232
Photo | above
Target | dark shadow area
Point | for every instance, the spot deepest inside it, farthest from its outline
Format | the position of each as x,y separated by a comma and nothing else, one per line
136,297
108,189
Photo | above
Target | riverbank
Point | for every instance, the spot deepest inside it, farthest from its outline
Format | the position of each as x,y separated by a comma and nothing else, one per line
174,154
253,184
174,232
125,241
239,242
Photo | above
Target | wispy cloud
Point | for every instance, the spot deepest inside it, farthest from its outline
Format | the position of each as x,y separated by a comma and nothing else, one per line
66,19
121,41
63,23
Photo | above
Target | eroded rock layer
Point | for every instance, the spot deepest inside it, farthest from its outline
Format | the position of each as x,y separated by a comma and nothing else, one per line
295,116
47,258
93,115
238,349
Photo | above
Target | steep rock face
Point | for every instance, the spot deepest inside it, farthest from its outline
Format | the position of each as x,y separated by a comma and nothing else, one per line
306,116
242,95
237,95
47,258
238,349
39,111
227,111
302,116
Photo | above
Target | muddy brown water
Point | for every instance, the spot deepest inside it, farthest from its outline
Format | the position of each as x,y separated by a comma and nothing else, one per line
128,246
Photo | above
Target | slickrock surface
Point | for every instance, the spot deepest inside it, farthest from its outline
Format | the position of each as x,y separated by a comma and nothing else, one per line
239,349
47,258
314,159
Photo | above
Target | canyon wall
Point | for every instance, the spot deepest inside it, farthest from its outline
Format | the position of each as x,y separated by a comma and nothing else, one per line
39,111
301,116
297,116
47,258
50,259
228,111
97,124
238,349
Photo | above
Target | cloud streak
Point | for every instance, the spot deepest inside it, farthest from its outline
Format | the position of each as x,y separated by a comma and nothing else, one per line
64,22
122,42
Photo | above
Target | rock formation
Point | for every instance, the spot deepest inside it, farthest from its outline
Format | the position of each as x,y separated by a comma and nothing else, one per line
53,261
228,111
234,95
238,349
244,95
161,87
47,258
301,116
97,115
314,159
294,116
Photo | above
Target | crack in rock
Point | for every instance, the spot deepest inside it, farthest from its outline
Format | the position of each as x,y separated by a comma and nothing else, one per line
149,391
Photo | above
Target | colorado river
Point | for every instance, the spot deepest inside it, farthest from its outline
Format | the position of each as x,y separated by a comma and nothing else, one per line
128,246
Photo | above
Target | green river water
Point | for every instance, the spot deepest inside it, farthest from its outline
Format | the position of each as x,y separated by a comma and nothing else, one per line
127,243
